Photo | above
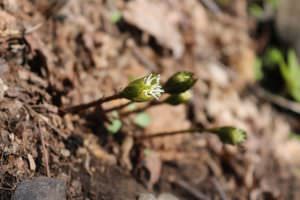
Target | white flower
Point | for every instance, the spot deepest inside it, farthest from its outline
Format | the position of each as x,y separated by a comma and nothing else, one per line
143,89
155,89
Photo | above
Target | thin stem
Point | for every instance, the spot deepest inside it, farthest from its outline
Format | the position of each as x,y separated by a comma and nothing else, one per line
118,107
163,134
78,108
152,103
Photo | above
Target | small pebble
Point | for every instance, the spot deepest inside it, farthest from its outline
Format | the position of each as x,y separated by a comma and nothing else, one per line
146,196
167,196
40,188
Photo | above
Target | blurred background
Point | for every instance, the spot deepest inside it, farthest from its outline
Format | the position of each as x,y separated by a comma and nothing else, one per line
55,53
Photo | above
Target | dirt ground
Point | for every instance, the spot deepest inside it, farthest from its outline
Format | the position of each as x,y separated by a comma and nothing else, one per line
57,53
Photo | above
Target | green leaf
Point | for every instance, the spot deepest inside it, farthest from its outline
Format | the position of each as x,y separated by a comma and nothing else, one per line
142,120
256,11
293,61
114,126
274,3
259,75
273,57
294,135
290,72
115,16
147,152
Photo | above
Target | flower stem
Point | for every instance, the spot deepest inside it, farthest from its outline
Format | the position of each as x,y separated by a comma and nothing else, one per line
163,134
78,108
152,103
118,107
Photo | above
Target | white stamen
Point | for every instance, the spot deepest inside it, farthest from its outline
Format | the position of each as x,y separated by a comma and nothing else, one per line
155,89
148,79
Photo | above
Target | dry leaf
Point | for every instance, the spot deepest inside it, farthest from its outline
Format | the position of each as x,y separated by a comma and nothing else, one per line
125,152
155,18
153,165
31,162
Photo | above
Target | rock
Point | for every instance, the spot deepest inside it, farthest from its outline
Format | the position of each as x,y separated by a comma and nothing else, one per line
163,196
146,196
287,23
40,188
167,196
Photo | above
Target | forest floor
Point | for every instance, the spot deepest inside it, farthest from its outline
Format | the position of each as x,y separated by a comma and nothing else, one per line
57,53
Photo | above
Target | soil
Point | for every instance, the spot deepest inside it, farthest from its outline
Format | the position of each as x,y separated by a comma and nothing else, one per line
59,53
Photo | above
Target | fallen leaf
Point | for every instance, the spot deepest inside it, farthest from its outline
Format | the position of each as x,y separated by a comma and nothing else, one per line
31,162
156,19
153,165
125,152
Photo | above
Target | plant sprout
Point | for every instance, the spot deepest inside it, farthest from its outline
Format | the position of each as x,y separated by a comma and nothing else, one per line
180,82
227,134
177,99
143,89
140,90
149,89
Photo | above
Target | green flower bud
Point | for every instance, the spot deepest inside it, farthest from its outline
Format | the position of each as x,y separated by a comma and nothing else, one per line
230,135
180,82
143,89
176,99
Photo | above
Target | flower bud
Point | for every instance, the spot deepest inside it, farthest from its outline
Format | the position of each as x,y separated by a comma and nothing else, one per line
230,135
143,89
180,82
176,99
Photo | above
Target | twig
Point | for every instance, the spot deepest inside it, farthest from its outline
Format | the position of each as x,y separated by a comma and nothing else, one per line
45,151
141,109
163,134
7,189
190,189
219,189
277,100
78,108
43,118
32,29
118,107
211,5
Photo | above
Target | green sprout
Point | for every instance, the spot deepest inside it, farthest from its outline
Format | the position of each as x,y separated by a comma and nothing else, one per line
180,82
114,126
143,89
173,99
289,69
142,120
182,98
115,16
140,90
229,135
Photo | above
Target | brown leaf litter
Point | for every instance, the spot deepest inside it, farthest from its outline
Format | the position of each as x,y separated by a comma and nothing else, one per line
79,55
